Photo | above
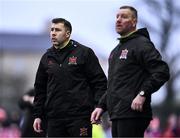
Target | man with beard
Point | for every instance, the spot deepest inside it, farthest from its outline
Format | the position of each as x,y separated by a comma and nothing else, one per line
69,83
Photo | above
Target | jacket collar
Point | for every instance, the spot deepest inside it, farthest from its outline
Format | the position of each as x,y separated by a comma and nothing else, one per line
140,32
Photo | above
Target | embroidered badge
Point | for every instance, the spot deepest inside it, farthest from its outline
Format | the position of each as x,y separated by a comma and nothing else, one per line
83,131
124,54
72,60
50,62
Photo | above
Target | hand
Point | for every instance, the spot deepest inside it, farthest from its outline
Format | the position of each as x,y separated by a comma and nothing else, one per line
28,98
95,115
137,103
37,125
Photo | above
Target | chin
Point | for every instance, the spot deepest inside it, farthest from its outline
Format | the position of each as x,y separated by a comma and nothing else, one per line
119,32
55,43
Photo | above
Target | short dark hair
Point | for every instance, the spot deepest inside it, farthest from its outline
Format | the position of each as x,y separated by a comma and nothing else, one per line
66,23
134,11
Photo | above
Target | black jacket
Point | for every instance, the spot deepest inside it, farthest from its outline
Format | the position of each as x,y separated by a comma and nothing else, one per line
69,82
134,65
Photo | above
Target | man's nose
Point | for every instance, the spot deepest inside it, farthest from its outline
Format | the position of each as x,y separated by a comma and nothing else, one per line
119,19
53,32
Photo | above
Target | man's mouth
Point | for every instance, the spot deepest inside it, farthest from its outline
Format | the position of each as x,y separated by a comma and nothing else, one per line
54,39
118,26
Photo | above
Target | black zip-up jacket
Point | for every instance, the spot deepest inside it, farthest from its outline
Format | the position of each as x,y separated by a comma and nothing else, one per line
134,65
69,82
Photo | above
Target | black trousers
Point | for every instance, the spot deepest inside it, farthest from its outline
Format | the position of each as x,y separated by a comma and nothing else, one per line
129,127
70,128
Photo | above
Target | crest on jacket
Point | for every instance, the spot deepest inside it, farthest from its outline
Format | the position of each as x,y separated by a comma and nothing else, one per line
83,131
72,60
124,54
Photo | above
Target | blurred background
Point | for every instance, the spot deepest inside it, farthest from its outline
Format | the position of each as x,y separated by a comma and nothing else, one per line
24,37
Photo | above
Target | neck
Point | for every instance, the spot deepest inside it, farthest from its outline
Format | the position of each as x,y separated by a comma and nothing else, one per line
128,34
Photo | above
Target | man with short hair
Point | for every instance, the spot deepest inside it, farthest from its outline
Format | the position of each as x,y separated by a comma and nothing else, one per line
136,71
69,83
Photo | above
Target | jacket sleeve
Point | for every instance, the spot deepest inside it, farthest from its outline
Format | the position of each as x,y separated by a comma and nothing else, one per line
102,102
95,76
40,90
157,70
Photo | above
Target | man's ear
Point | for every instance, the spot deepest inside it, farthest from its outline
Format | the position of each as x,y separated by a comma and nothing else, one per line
68,33
134,22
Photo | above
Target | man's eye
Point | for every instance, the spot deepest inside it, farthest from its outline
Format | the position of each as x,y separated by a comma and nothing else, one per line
124,16
57,29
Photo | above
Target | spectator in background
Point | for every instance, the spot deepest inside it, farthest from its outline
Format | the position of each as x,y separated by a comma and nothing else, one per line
170,127
177,129
136,71
69,83
3,116
154,128
26,124
7,130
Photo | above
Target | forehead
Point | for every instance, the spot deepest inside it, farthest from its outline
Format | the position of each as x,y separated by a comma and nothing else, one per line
124,11
57,25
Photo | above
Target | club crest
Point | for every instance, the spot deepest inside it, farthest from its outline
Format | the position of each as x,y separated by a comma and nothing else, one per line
83,131
50,62
72,60
124,54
